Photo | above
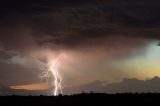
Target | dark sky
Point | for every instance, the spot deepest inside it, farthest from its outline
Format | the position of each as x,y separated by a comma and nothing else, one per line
107,40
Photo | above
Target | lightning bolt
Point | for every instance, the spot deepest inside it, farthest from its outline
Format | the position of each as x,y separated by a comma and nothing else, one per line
52,76
57,79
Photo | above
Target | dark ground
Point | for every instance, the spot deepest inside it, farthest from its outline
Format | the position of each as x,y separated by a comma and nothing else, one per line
82,99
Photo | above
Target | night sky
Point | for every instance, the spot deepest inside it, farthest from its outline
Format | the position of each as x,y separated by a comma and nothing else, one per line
102,42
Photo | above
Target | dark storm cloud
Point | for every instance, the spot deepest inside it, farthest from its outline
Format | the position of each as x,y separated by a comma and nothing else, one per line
138,13
93,24
79,23
5,55
13,74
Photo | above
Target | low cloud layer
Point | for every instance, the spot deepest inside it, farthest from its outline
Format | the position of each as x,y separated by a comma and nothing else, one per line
125,86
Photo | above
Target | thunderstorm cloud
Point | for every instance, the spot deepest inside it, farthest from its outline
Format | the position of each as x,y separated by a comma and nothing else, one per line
103,39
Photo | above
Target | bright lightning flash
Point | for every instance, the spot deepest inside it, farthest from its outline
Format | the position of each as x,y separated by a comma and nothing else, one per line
52,75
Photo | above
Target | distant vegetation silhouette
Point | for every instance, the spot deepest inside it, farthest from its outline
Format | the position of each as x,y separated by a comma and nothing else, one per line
89,99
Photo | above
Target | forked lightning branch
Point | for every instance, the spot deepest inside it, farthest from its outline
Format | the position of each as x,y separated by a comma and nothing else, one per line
52,76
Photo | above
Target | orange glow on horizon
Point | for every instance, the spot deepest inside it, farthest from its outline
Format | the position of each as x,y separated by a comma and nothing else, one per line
36,86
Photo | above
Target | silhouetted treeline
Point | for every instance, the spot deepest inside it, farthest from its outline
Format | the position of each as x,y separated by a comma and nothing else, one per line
83,99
